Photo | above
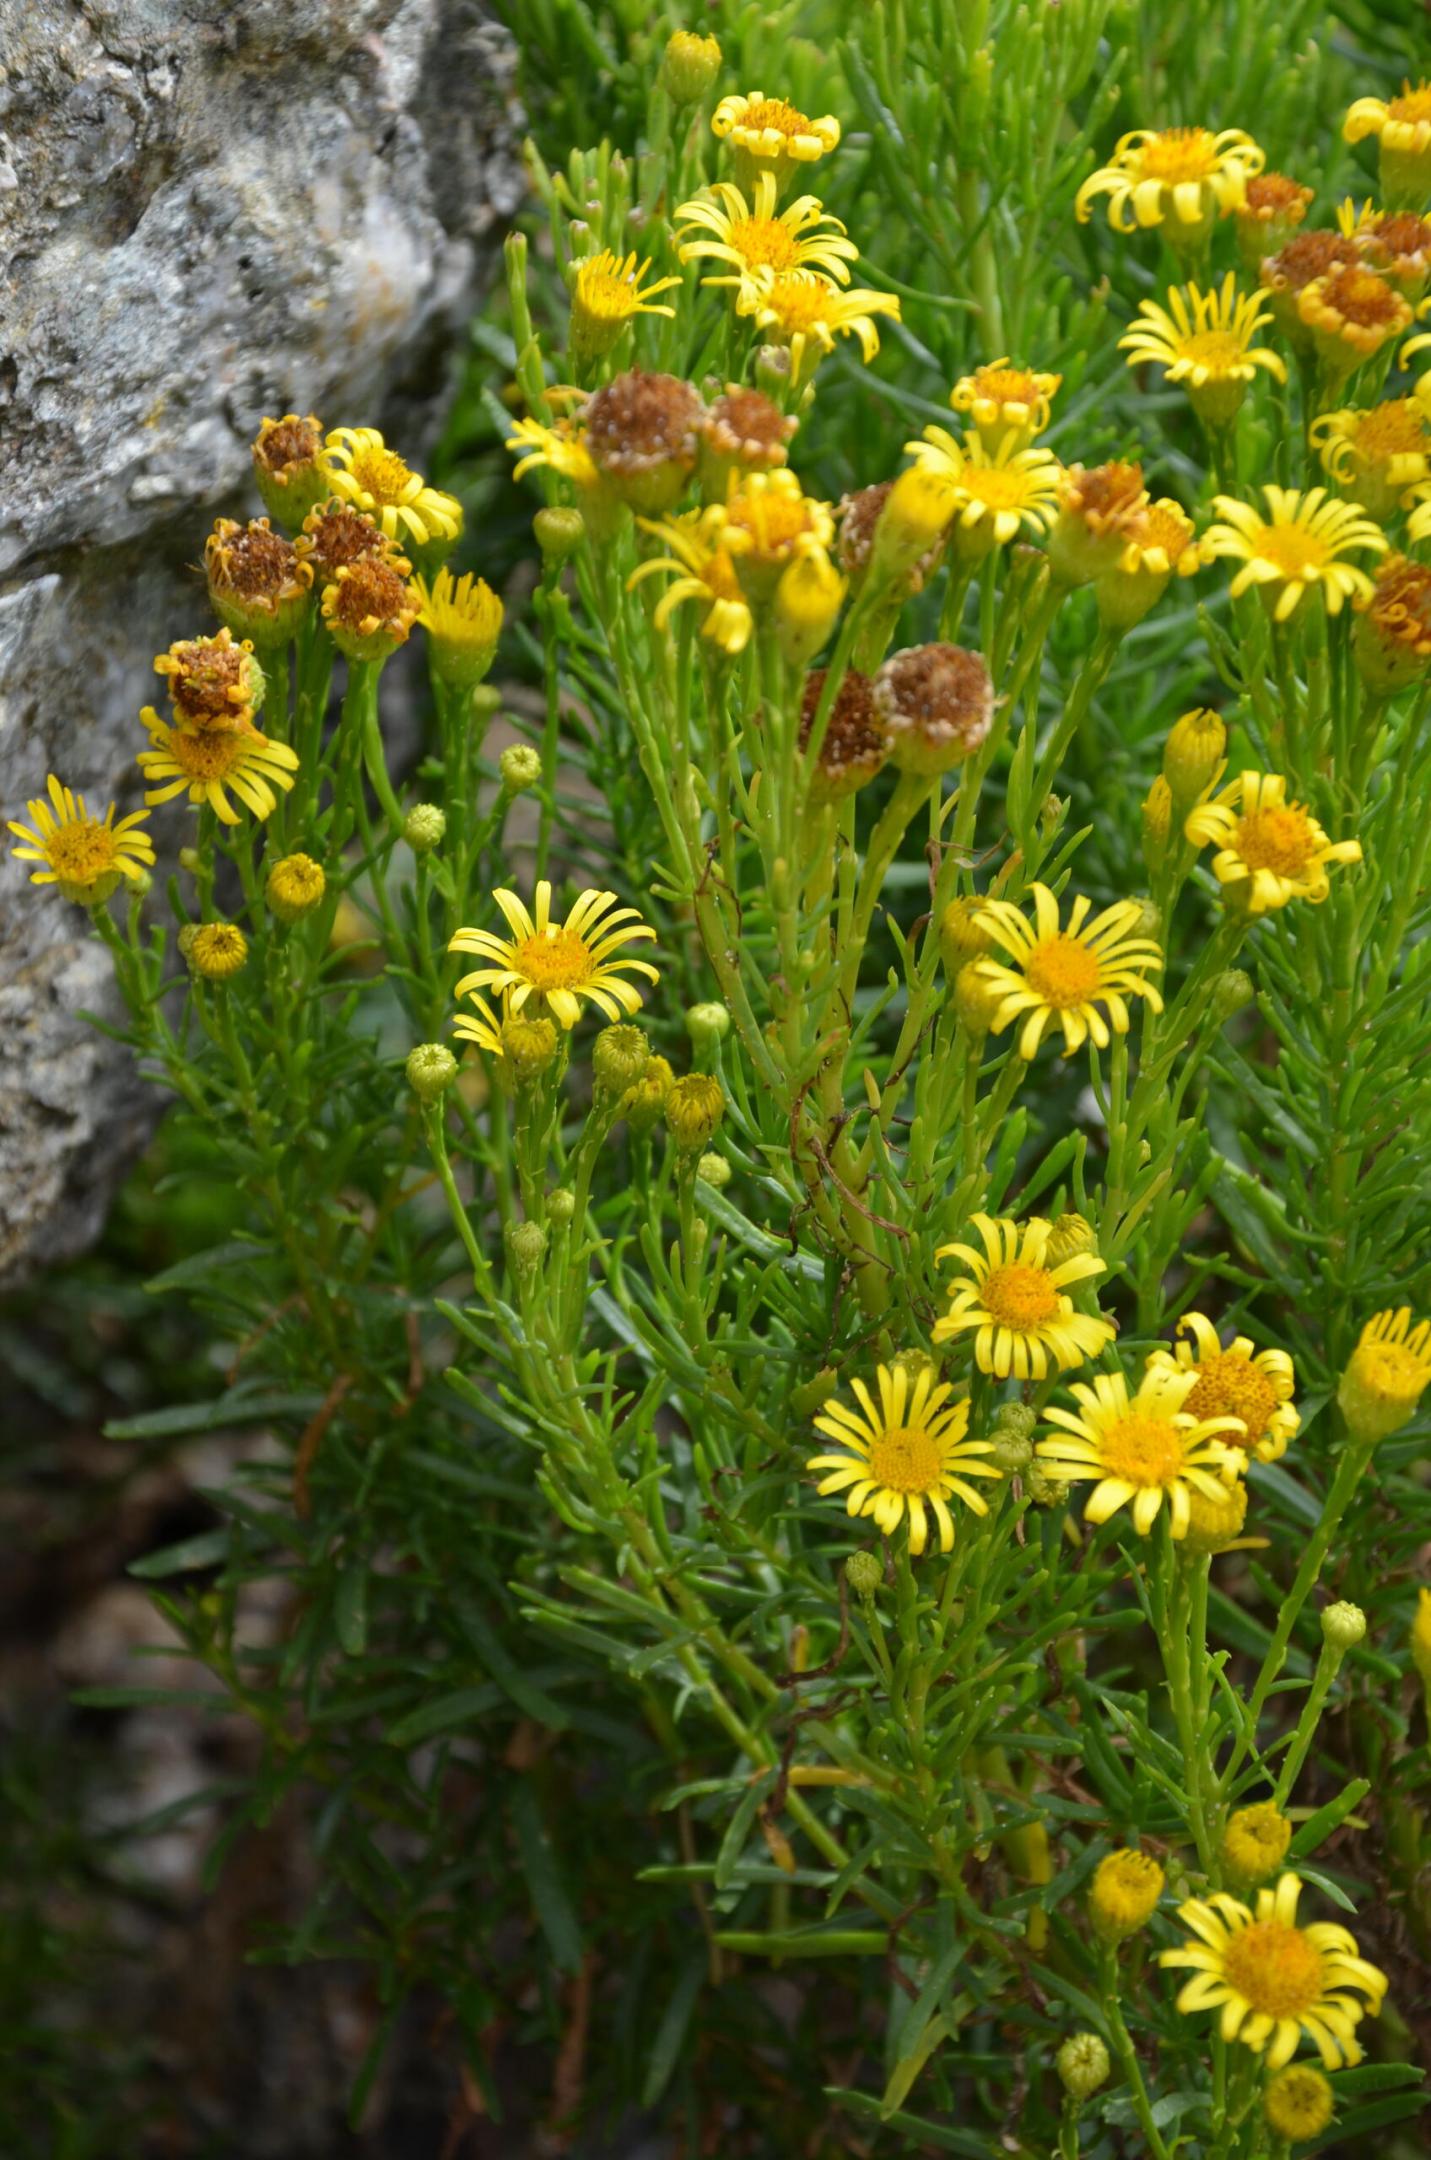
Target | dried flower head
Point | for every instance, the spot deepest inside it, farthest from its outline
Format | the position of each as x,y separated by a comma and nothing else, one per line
1297,264
369,608
1393,632
855,745
1098,510
937,702
643,432
287,468
743,429
1273,206
214,683
335,534
258,583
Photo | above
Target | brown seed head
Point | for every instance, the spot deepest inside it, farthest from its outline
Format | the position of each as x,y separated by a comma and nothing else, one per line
285,446
1272,198
1310,255
639,422
856,740
938,703
254,565
746,428
335,534
369,605
214,682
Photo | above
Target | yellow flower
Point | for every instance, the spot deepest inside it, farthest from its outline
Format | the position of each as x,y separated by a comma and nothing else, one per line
1298,2103
1377,455
767,520
806,311
562,963
703,571
694,1108
1420,1639
362,470
1124,1893
1215,1525
1240,1381
208,764
1184,177
294,887
1018,1305
561,449
1254,1843
995,495
1350,314
86,857
1402,127
1386,1374
1193,756
1269,850
1272,1980
906,1453
1002,400
749,236
483,1027
1298,545
1065,975
1161,543
463,618
1143,1448
609,290
1204,339
769,135
216,950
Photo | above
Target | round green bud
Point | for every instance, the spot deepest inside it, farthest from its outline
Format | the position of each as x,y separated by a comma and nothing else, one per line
1072,1236
559,533
689,66
424,827
1014,1418
976,999
561,1206
189,859
1148,923
1343,1625
528,1046
1083,2065
619,1057
140,885
864,1574
520,766
431,1070
1043,1490
526,1243
1230,991
1012,1452
714,1170
707,1024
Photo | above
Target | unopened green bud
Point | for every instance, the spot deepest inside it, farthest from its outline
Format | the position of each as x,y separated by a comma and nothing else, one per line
141,884
215,951
1043,1490
689,66
1070,1237
1229,992
561,1206
864,1574
1012,1452
431,1070
520,766
189,859
618,1058
526,1244
1148,922
1083,2065
962,937
1014,1418
714,1170
559,533
707,1025
1343,1626
694,1108
1157,823
529,1046
424,827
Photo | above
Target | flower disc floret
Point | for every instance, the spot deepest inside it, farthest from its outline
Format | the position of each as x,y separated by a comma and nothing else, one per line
1140,1450
561,964
1071,975
906,1454
1240,1381
1015,1302
1273,1982
87,857
1269,851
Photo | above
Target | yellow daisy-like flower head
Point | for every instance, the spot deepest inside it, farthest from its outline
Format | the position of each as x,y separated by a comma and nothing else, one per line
1204,339
363,471
995,495
1160,544
208,764
463,618
701,569
1183,178
1402,127
561,964
1004,401
1124,1893
1299,546
560,449
1140,1450
1298,2103
87,857
770,135
1350,314
1099,508
904,1454
1240,1381
807,311
1269,851
1393,632
1386,1375
768,520
608,292
1379,455
1273,1981
1254,1843
1067,974
748,235
1396,242
1017,1304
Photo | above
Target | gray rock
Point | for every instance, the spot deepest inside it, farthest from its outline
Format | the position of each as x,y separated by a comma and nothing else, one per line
208,212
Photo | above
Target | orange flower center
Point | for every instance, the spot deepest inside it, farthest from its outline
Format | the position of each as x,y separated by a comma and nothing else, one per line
1141,1449
1230,1385
1019,1296
1393,429
1272,194
1275,1968
775,113
1363,298
1278,839
210,756
1410,104
1064,971
381,474
1178,154
82,852
764,243
558,961
905,1459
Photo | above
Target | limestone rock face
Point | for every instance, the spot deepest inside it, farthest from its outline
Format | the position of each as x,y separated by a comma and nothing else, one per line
210,210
